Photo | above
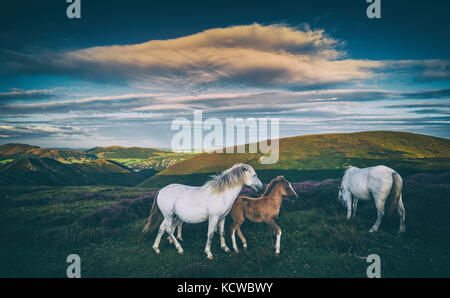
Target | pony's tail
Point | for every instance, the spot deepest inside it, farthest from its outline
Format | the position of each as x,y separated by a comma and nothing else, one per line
154,217
396,192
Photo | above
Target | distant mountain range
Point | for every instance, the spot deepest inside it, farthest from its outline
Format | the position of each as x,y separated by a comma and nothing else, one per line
139,158
133,157
47,171
148,167
17,151
22,164
123,152
302,155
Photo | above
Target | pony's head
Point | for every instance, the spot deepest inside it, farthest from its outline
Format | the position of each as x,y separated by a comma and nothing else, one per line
340,197
286,189
251,179
344,195
238,175
284,185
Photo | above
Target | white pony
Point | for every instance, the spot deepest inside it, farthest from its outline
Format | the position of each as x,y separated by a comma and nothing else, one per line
213,201
378,183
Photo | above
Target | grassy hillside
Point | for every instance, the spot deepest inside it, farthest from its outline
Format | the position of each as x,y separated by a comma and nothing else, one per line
41,226
301,157
112,152
47,171
133,157
17,151
139,158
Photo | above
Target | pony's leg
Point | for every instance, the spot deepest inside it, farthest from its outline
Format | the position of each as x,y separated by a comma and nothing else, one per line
237,213
158,237
349,209
355,205
179,231
169,226
244,242
223,244
235,226
379,203
176,224
272,236
212,226
173,230
401,212
233,237
277,229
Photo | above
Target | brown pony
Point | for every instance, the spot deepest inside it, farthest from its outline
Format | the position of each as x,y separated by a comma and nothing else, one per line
262,209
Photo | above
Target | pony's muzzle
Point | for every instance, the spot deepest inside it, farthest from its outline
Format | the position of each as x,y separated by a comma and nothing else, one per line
291,198
257,187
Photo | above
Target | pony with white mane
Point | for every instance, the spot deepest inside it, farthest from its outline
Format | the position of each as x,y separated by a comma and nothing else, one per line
213,201
379,183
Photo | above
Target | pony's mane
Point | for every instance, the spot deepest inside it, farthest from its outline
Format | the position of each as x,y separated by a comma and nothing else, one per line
229,178
272,184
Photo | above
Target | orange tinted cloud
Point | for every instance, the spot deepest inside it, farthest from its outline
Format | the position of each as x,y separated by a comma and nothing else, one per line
252,55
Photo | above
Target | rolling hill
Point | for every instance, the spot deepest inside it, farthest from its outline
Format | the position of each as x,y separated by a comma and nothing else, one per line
16,151
313,156
47,171
136,158
139,158
112,152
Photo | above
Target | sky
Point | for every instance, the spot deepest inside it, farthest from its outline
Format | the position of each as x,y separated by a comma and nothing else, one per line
123,72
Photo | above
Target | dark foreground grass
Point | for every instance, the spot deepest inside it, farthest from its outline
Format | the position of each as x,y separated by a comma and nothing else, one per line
40,226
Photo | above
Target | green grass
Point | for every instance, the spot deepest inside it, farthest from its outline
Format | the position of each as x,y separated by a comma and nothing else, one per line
158,161
40,226
5,161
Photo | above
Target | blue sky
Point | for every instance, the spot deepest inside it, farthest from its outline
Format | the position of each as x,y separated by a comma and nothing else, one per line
126,69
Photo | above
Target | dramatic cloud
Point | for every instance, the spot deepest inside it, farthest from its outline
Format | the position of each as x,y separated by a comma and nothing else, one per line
252,55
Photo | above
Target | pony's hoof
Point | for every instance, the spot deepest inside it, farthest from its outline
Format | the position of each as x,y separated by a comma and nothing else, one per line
209,255
181,239
372,230
180,252
226,249
236,251
277,254
401,231
156,250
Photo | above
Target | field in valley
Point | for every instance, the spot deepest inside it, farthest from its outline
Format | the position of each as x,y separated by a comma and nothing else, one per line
41,225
